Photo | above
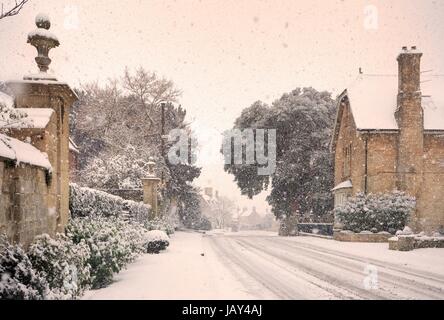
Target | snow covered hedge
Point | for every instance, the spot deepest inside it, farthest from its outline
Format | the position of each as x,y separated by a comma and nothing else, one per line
62,263
376,212
18,278
85,202
93,249
113,243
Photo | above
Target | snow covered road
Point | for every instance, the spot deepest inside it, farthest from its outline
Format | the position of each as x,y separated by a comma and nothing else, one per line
314,268
261,265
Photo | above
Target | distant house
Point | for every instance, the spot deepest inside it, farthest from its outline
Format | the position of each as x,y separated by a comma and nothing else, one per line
389,134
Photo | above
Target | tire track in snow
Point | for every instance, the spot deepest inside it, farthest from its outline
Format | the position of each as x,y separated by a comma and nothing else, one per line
263,274
341,288
395,282
428,285
426,275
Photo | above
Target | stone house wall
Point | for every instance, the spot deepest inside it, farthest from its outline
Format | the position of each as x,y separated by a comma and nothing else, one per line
430,207
382,172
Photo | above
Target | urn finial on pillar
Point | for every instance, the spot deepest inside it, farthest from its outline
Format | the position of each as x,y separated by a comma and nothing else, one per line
43,41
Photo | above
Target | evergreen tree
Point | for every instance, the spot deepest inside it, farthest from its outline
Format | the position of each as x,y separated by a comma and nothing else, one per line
301,183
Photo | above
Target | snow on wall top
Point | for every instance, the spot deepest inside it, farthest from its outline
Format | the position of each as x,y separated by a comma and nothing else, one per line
22,152
343,185
373,102
36,118
73,146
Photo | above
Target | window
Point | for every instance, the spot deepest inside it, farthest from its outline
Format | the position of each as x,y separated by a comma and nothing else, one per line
347,151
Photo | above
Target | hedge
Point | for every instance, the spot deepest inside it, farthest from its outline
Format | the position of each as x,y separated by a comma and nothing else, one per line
85,202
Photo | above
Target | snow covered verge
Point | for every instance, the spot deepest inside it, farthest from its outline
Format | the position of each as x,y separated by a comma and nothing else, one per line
99,242
87,256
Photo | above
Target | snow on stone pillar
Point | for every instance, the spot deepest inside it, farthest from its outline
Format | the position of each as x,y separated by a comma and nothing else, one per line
42,90
150,185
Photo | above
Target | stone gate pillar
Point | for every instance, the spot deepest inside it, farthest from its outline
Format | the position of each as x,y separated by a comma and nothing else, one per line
43,91
150,185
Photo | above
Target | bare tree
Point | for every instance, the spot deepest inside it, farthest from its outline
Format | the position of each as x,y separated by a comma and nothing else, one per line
12,11
150,90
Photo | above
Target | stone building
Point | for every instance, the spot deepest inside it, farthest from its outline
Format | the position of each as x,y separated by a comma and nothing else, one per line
38,199
389,134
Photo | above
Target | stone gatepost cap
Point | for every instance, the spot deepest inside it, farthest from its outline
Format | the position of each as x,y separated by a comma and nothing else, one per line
152,178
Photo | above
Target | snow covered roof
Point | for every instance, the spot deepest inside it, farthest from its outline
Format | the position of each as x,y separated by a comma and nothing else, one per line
22,152
373,102
343,185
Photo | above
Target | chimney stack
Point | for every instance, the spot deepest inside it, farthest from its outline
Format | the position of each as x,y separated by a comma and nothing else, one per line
410,119
409,70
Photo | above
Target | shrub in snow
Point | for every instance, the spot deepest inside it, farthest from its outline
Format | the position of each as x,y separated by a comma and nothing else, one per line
156,241
377,212
18,278
162,224
113,243
62,263
90,202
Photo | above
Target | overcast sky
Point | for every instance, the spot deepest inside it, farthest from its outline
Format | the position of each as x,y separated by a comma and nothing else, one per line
226,54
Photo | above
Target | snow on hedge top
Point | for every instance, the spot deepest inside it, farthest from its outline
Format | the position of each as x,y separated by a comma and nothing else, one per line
35,118
373,101
157,235
22,152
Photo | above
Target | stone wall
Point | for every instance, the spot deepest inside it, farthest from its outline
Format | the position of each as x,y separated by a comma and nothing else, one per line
24,212
348,236
59,97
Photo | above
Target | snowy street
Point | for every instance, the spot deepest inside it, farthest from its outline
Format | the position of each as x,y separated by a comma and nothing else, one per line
261,265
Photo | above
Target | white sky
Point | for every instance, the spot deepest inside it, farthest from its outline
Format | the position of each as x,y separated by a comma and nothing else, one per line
226,54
